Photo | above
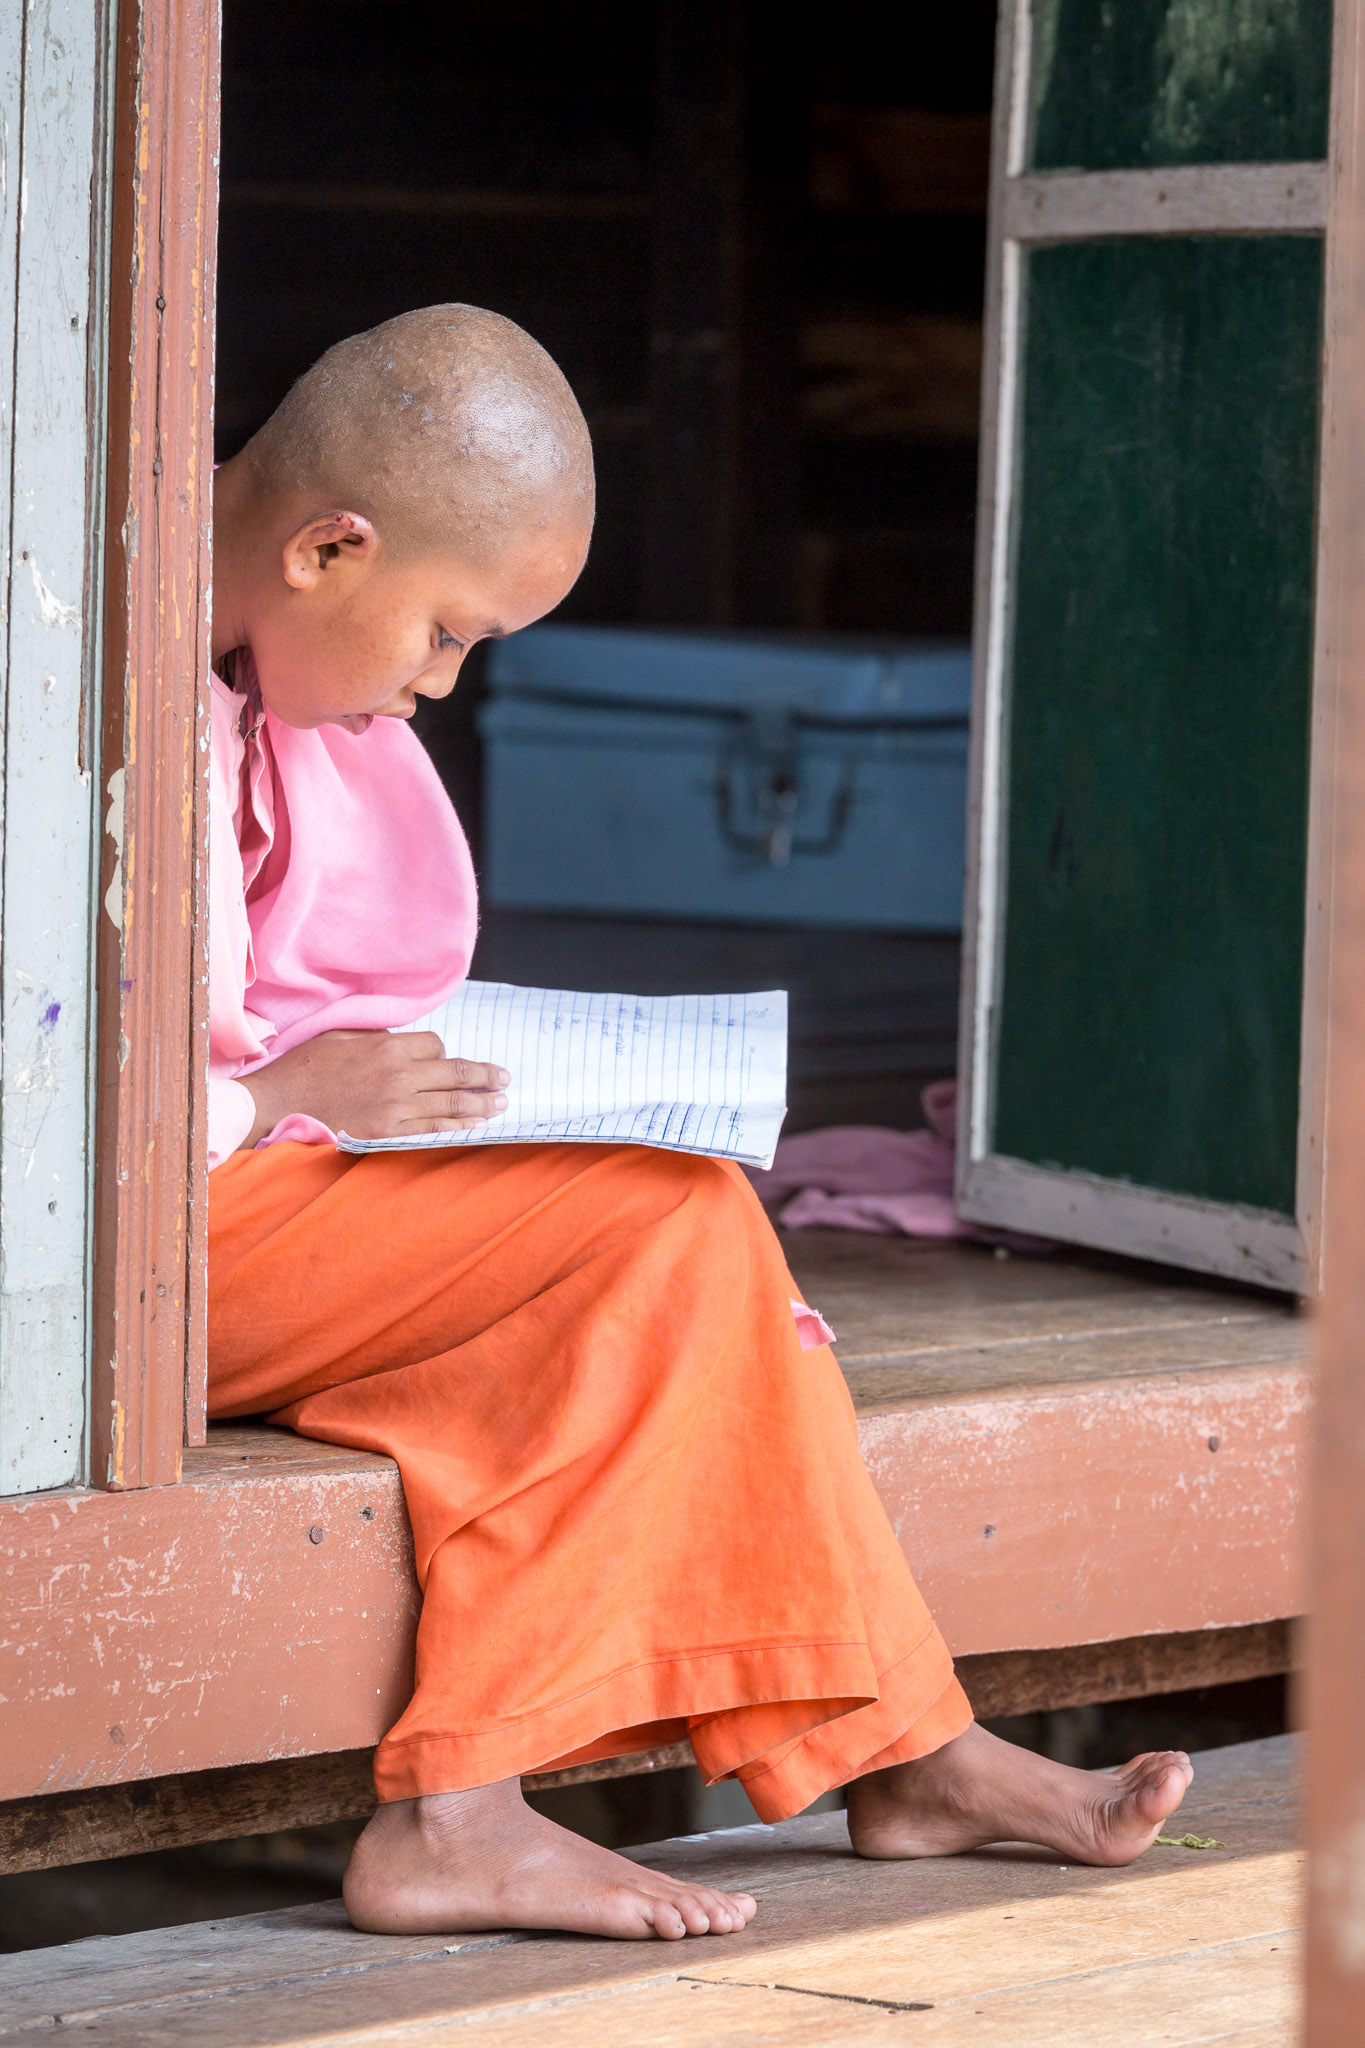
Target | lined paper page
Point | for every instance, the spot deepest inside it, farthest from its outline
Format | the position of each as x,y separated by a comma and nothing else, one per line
691,1073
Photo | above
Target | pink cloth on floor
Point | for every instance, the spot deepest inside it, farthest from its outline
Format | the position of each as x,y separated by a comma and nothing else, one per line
866,1177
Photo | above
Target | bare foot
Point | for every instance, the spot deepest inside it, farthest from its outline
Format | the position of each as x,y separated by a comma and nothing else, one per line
978,1789
456,1861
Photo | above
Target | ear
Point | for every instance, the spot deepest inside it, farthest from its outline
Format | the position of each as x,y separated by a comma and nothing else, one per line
321,544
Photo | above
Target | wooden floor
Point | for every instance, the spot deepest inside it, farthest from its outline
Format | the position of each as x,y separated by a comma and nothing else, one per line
916,1320
1008,1948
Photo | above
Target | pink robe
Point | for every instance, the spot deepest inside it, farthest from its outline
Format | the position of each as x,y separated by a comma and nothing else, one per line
341,894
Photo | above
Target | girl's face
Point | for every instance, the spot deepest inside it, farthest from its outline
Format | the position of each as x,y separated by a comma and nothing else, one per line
353,634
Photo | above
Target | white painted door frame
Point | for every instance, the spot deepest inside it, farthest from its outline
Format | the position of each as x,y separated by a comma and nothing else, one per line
55,80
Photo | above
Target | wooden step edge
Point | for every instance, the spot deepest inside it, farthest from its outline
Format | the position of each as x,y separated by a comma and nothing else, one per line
98,1823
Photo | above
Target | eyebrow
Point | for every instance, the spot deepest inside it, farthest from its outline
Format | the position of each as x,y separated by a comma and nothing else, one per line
484,632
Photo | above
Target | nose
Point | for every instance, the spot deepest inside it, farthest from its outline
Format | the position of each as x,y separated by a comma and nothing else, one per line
438,683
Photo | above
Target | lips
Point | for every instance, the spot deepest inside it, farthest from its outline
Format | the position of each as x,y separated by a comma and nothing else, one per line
357,721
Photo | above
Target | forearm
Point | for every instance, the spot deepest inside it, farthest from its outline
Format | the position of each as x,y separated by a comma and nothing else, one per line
264,1088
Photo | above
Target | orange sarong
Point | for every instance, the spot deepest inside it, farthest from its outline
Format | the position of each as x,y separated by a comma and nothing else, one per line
638,1506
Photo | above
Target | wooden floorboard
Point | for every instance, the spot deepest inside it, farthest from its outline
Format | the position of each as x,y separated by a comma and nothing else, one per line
903,1301
1071,1359
1010,1946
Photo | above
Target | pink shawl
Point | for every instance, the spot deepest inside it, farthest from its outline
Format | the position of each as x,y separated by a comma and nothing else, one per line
342,893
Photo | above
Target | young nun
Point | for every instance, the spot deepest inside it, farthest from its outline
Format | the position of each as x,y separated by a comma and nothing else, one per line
637,1502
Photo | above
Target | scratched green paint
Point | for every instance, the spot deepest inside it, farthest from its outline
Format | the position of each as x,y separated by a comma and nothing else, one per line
1120,84
1160,663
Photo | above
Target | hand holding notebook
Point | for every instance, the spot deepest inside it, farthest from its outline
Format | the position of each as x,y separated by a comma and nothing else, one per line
701,1074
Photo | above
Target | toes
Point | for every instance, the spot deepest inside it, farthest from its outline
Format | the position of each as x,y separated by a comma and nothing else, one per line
1154,1763
729,1911
695,1912
697,1917
1165,1764
725,1913
720,1913
1161,1785
700,1911
667,1921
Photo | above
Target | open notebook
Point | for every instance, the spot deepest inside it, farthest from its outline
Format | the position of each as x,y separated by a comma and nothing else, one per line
691,1073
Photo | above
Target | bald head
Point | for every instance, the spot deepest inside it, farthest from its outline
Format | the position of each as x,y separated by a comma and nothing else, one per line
449,428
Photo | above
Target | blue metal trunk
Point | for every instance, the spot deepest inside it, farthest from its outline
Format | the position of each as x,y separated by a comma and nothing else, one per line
732,777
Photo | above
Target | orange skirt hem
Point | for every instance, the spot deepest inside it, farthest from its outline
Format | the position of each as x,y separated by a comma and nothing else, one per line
761,1719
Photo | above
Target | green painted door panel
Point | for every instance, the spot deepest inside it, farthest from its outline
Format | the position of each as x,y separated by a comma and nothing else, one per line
1129,83
1148,1024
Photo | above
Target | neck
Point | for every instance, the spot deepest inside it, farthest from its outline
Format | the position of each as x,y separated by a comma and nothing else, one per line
233,527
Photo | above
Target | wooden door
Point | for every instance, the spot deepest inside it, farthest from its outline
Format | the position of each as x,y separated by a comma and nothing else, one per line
1138,1074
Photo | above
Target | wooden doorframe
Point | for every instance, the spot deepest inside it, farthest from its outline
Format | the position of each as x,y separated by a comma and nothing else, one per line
1335,1692
148,1348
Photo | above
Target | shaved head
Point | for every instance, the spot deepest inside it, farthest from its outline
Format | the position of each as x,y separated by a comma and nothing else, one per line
449,428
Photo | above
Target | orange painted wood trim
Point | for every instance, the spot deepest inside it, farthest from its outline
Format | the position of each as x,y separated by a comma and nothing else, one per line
1335,1688
230,1619
1088,1512
148,1346
129,1818
1110,1517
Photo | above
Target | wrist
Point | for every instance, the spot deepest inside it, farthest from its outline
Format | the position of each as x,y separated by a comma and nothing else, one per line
268,1112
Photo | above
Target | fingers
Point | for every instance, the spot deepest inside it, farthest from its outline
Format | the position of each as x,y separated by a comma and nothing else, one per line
440,1075
422,1126
465,1106
454,1095
471,1074
460,1093
458,1109
400,1084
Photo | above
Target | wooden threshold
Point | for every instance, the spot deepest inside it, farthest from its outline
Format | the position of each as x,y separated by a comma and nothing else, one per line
1007,1946
1072,1451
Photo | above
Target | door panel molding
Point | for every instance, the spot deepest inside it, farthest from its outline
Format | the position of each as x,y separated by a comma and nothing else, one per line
1190,199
